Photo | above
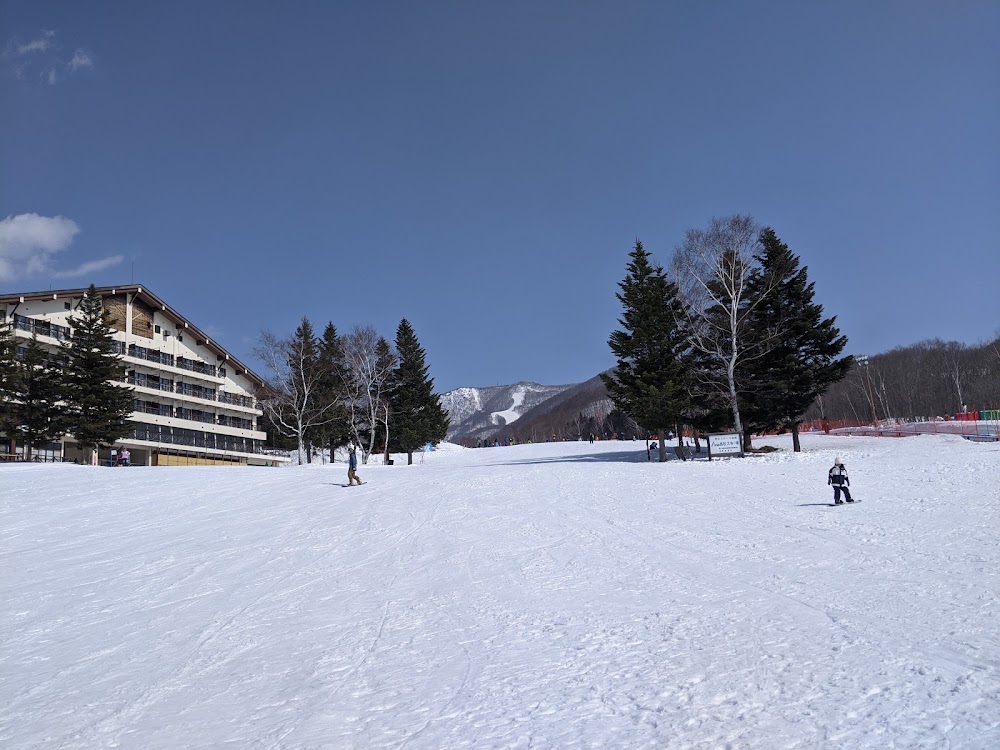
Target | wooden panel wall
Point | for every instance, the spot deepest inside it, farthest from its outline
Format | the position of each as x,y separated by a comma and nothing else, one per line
142,320
117,309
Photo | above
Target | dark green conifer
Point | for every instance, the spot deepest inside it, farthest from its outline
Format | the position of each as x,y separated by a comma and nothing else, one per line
36,413
336,430
98,401
417,415
799,356
649,382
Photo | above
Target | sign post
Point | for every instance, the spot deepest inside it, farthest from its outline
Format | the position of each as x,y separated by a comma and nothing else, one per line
725,444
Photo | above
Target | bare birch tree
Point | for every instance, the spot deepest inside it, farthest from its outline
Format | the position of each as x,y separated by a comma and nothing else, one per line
294,385
713,269
369,363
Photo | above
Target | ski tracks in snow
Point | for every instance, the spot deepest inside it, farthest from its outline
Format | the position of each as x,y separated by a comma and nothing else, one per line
487,601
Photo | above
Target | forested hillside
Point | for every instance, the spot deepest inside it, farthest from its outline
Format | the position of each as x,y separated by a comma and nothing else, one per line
928,379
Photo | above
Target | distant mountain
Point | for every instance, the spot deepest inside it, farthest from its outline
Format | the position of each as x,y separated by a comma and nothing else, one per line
529,411
479,412
574,412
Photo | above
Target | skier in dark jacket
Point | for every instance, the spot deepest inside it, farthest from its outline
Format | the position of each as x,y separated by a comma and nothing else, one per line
840,481
352,464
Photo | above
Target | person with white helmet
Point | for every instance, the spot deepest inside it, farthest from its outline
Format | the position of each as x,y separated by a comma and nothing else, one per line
840,481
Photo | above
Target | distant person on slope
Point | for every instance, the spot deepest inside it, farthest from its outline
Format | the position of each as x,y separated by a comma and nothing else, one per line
840,481
352,464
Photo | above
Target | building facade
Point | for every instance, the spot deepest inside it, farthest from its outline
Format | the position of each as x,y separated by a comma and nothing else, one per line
194,402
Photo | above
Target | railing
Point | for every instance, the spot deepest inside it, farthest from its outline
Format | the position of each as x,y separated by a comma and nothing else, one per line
196,366
195,415
983,429
41,327
53,360
155,433
238,422
36,457
150,381
151,355
196,391
151,407
165,384
236,400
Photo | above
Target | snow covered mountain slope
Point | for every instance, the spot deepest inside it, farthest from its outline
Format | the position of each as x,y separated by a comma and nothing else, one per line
476,412
555,595
461,404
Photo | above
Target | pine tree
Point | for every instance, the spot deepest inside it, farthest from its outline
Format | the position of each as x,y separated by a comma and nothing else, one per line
710,409
98,403
799,360
417,415
37,413
649,382
330,356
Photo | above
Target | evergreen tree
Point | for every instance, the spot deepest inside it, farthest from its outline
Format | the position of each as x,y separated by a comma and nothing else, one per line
98,404
37,414
417,414
649,382
710,409
800,358
330,356
276,439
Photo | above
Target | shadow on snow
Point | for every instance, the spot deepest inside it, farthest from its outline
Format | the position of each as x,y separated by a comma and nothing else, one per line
630,457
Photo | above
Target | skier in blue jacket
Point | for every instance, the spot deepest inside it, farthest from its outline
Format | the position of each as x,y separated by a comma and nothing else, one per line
352,464
840,481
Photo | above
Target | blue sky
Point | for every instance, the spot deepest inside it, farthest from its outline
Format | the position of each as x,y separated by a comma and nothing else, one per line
483,168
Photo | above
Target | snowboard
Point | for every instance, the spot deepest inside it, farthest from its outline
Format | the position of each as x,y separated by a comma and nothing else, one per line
835,505
353,485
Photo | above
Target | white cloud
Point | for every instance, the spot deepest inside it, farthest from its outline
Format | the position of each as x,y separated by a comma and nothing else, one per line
36,45
80,60
28,242
92,266
43,58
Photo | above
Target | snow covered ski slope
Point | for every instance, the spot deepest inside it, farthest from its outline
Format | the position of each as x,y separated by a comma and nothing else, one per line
548,596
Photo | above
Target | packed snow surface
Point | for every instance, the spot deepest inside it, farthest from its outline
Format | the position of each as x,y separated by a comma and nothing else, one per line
561,595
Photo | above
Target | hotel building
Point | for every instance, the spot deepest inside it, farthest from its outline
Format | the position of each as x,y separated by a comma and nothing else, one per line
194,402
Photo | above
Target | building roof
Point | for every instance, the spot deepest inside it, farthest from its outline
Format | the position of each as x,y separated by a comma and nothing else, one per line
153,301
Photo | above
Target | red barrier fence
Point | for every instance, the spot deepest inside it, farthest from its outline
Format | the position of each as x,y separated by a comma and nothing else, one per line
967,425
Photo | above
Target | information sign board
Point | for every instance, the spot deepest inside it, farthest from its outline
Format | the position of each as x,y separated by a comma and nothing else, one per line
724,444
